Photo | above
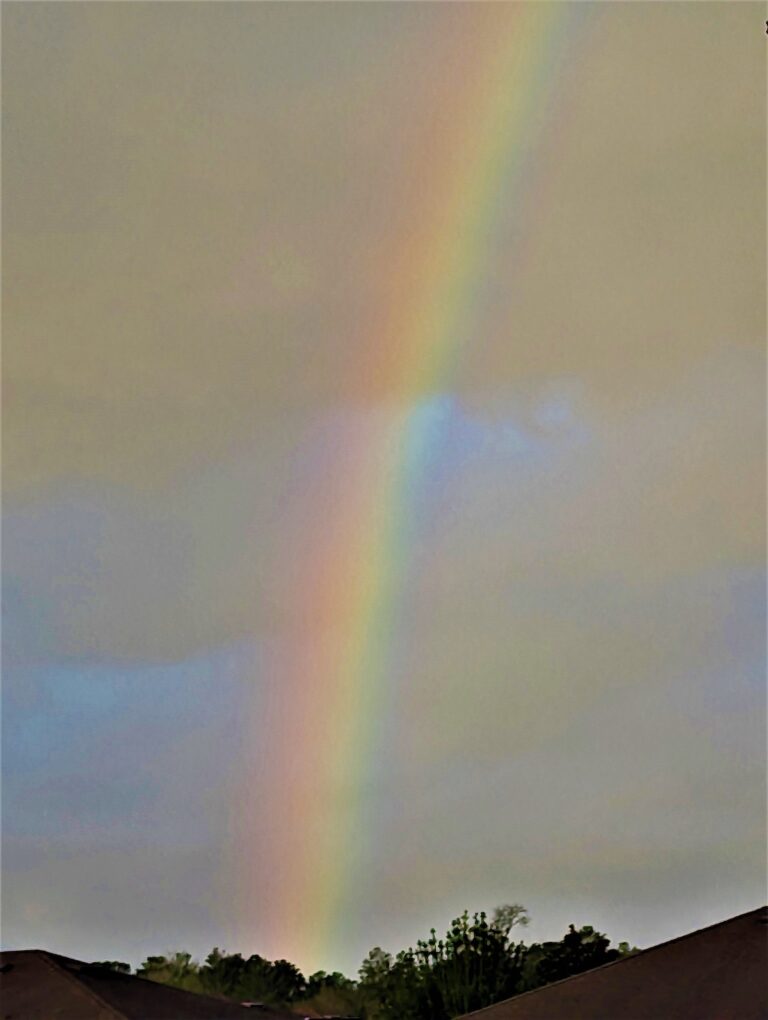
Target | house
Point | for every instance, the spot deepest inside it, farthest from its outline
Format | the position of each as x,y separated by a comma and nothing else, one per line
38,985
717,973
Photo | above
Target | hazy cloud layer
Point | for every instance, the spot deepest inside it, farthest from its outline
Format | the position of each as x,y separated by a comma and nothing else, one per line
201,200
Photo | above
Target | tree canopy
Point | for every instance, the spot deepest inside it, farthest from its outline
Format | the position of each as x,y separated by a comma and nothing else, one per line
475,964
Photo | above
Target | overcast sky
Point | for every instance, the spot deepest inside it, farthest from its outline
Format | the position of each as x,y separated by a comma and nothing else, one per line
199,205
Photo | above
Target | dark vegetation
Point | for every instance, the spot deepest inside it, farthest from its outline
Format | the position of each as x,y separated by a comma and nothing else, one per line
476,963
121,968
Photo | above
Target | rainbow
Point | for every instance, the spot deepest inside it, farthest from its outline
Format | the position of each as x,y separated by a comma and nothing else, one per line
312,837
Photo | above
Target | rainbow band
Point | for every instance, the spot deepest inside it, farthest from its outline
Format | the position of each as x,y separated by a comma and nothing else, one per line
347,610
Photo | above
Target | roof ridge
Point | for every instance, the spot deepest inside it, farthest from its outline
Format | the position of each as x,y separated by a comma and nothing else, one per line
80,985
621,959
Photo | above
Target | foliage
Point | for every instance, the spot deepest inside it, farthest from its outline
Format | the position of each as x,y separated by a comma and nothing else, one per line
330,994
179,970
508,915
222,973
576,952
229,976
117,965
374,982
475,964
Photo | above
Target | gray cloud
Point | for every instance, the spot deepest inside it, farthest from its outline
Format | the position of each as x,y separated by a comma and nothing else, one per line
203,210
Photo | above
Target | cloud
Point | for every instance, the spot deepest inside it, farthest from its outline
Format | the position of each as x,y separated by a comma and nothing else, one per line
514,519
199,246
207,212
116,788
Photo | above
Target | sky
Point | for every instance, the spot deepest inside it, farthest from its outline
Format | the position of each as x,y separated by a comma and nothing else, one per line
383,470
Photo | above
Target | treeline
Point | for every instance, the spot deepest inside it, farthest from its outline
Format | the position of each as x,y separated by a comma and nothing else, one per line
476,963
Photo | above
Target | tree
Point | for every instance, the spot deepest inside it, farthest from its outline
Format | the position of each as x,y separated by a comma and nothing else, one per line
319,980
474,965
179,970
152,964
287,981
390,987
329,994
374,979
116,965
222,973
228,974
508,915
577,951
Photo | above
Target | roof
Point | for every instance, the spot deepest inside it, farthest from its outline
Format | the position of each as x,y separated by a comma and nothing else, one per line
38,985
717,973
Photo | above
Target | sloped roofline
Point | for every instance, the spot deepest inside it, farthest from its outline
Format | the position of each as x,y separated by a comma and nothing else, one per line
624,959
80,985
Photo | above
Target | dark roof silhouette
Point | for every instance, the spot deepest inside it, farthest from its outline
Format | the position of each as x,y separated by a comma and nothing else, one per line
38,985
717,973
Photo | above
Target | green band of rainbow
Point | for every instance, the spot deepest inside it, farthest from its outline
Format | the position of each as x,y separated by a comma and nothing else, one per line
314,833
